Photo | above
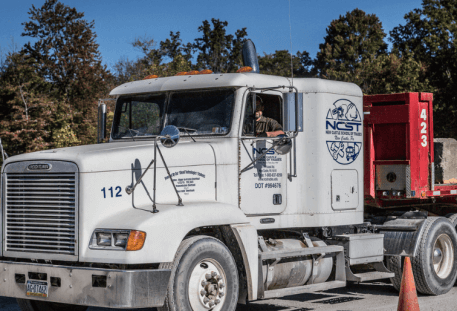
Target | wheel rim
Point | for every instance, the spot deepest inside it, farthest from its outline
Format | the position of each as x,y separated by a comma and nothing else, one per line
443,256
207,286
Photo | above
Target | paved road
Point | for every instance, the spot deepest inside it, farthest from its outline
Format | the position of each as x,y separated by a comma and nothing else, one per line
369,296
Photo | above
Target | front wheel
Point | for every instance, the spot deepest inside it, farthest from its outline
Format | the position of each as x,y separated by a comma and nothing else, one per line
204,277
35,305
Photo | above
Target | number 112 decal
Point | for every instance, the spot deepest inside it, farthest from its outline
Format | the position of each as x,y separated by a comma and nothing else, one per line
110,191
424,128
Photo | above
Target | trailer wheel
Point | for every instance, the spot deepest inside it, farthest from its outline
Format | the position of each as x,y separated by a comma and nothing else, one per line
34,305
435,265
204,277
394,264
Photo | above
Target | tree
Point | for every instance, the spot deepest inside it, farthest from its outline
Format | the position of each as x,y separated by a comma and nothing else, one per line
28,114
154,59
279,64
178,54
430,33
392,73
66,53
217,51
173,47
350,40
126,70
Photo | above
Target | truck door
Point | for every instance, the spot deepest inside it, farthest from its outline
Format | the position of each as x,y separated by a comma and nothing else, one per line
262,184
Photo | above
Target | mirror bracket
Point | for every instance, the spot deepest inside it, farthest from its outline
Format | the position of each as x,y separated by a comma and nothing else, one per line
169,138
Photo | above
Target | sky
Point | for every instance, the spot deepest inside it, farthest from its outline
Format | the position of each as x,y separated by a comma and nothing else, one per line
118,23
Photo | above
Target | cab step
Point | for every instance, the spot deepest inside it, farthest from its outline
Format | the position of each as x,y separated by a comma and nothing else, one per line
380,273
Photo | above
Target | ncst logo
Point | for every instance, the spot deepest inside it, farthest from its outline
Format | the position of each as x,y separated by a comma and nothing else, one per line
344,125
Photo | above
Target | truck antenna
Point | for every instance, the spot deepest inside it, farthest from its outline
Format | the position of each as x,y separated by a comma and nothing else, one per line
291,63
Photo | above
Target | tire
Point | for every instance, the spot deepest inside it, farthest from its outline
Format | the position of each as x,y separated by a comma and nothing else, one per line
394,264
202,259
453,219
435,265
34,305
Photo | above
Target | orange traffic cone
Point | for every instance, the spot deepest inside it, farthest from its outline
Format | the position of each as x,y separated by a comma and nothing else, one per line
408,296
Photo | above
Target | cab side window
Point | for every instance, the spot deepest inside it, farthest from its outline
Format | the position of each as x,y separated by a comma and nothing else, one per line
271,107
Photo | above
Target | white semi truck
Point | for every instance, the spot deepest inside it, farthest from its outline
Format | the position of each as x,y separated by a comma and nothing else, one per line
185,208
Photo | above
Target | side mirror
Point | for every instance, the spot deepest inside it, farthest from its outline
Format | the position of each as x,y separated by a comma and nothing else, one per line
101,123
4,154
293,112
283,145
170,136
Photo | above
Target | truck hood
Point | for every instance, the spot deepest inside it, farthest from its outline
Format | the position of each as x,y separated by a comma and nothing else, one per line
117,156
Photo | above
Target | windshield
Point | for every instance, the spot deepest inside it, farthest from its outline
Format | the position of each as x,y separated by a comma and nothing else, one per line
139,115
193,112
202,113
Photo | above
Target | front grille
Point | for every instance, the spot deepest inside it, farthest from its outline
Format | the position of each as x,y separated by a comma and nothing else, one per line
40,212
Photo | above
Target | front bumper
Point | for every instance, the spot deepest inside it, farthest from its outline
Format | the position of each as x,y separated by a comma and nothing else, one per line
124,288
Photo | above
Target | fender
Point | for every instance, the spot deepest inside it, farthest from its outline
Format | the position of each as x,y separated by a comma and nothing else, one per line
165,230
402,236
247,238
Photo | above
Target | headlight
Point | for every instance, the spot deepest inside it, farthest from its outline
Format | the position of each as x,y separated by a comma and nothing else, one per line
120,239
115,239
103,238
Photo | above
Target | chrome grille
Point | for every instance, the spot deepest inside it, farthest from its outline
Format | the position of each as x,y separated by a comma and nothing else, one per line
40,212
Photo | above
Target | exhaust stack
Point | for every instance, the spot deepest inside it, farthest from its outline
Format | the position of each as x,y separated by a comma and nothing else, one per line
250,56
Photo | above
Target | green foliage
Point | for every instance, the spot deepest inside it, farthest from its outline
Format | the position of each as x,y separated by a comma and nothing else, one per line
29,117
63,124
218,51
350,41
65,52
430,33
391,73
153,60
279,64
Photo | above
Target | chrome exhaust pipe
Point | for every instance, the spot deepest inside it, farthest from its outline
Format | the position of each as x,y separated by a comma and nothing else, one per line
250,56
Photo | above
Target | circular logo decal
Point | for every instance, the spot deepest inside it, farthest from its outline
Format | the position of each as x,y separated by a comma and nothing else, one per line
343,128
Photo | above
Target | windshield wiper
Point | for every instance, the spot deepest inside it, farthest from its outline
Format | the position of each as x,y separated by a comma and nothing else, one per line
186,130
130,131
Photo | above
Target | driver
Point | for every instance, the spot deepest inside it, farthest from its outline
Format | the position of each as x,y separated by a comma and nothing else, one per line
266,127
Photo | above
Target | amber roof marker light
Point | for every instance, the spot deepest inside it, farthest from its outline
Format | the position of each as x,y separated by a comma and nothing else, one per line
193,72
150,77
244,69
205,72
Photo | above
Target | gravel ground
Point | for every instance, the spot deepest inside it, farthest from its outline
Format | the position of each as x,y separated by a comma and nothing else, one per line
367,296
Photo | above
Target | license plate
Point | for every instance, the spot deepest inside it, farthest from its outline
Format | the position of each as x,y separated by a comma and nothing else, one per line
37,288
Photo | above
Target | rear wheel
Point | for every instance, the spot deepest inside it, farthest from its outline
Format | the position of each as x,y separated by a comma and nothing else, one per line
204,277
34,305
453,219
435,265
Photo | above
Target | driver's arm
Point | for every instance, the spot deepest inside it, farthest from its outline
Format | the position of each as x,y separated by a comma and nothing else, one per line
274,128
275,133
